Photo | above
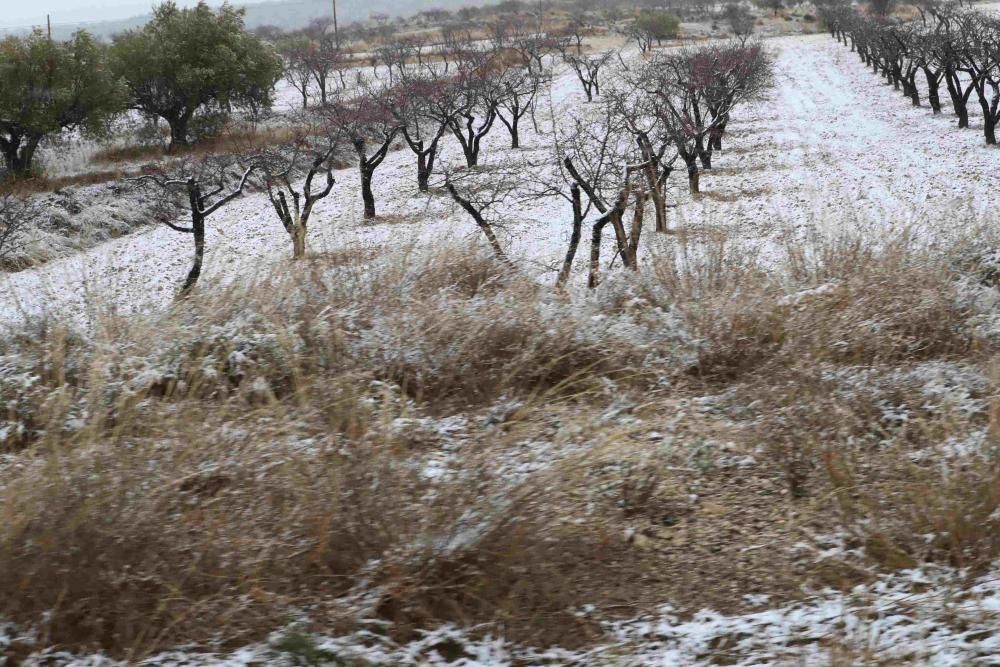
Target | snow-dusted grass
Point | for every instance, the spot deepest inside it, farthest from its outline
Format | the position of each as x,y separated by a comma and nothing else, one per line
419,440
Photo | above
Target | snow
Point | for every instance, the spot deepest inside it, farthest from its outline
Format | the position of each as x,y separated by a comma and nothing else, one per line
836,149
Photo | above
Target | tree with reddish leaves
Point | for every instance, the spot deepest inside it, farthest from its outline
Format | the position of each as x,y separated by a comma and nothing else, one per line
730,75
694,92
424,106
674,87
369,125
324,56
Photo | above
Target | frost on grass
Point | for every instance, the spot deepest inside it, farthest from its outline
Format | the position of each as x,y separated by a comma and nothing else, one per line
922,616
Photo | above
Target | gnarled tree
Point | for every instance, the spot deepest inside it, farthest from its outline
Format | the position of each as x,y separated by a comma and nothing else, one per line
206,186
186,60
48,86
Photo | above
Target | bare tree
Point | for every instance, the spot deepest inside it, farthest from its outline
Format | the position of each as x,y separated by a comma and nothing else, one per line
588,70
596,156
477,100
206,187
517,91
369,125
323,57
479,195
297,72
280,168
424,107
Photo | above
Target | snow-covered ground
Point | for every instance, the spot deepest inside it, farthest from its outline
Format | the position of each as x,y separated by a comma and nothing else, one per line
835,147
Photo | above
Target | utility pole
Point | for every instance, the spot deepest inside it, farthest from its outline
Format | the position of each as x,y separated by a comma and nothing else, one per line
48,22
336,32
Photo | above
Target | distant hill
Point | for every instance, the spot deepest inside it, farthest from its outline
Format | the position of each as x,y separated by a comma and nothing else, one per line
286,14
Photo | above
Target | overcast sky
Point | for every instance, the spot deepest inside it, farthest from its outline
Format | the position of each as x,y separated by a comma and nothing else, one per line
24,13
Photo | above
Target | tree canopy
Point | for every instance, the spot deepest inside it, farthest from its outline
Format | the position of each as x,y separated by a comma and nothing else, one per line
186,60
47,86
658,25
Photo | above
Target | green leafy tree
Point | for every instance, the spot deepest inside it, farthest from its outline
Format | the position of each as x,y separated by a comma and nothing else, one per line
186,60
657,26
48,86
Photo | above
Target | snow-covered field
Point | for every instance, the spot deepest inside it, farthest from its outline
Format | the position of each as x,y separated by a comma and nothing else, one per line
836,147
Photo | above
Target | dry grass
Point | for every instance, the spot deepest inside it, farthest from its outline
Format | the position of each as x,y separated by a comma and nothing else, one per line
229,141
202,474
37,184
150,509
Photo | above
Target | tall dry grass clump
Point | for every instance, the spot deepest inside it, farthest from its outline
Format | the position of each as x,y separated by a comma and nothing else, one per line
206,473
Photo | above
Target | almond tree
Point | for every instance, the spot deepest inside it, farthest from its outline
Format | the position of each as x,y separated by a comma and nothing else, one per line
598,158
297,71
980,60
424,107
730,75
324,58
280,168
517,91
925,56
673,83
369,125
477,99
634,112
588,70
206,186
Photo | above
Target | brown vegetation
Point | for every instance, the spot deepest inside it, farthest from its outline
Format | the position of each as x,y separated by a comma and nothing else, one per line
245,459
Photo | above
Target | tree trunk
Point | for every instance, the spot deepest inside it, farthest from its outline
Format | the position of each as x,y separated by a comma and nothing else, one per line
574,238
933,91
423,173
990,130
911,90
957,99
705,155
621,236
471,155
595,252
178,131
694,176
637,219
515,136
19,153
298,241
366,192
198,225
